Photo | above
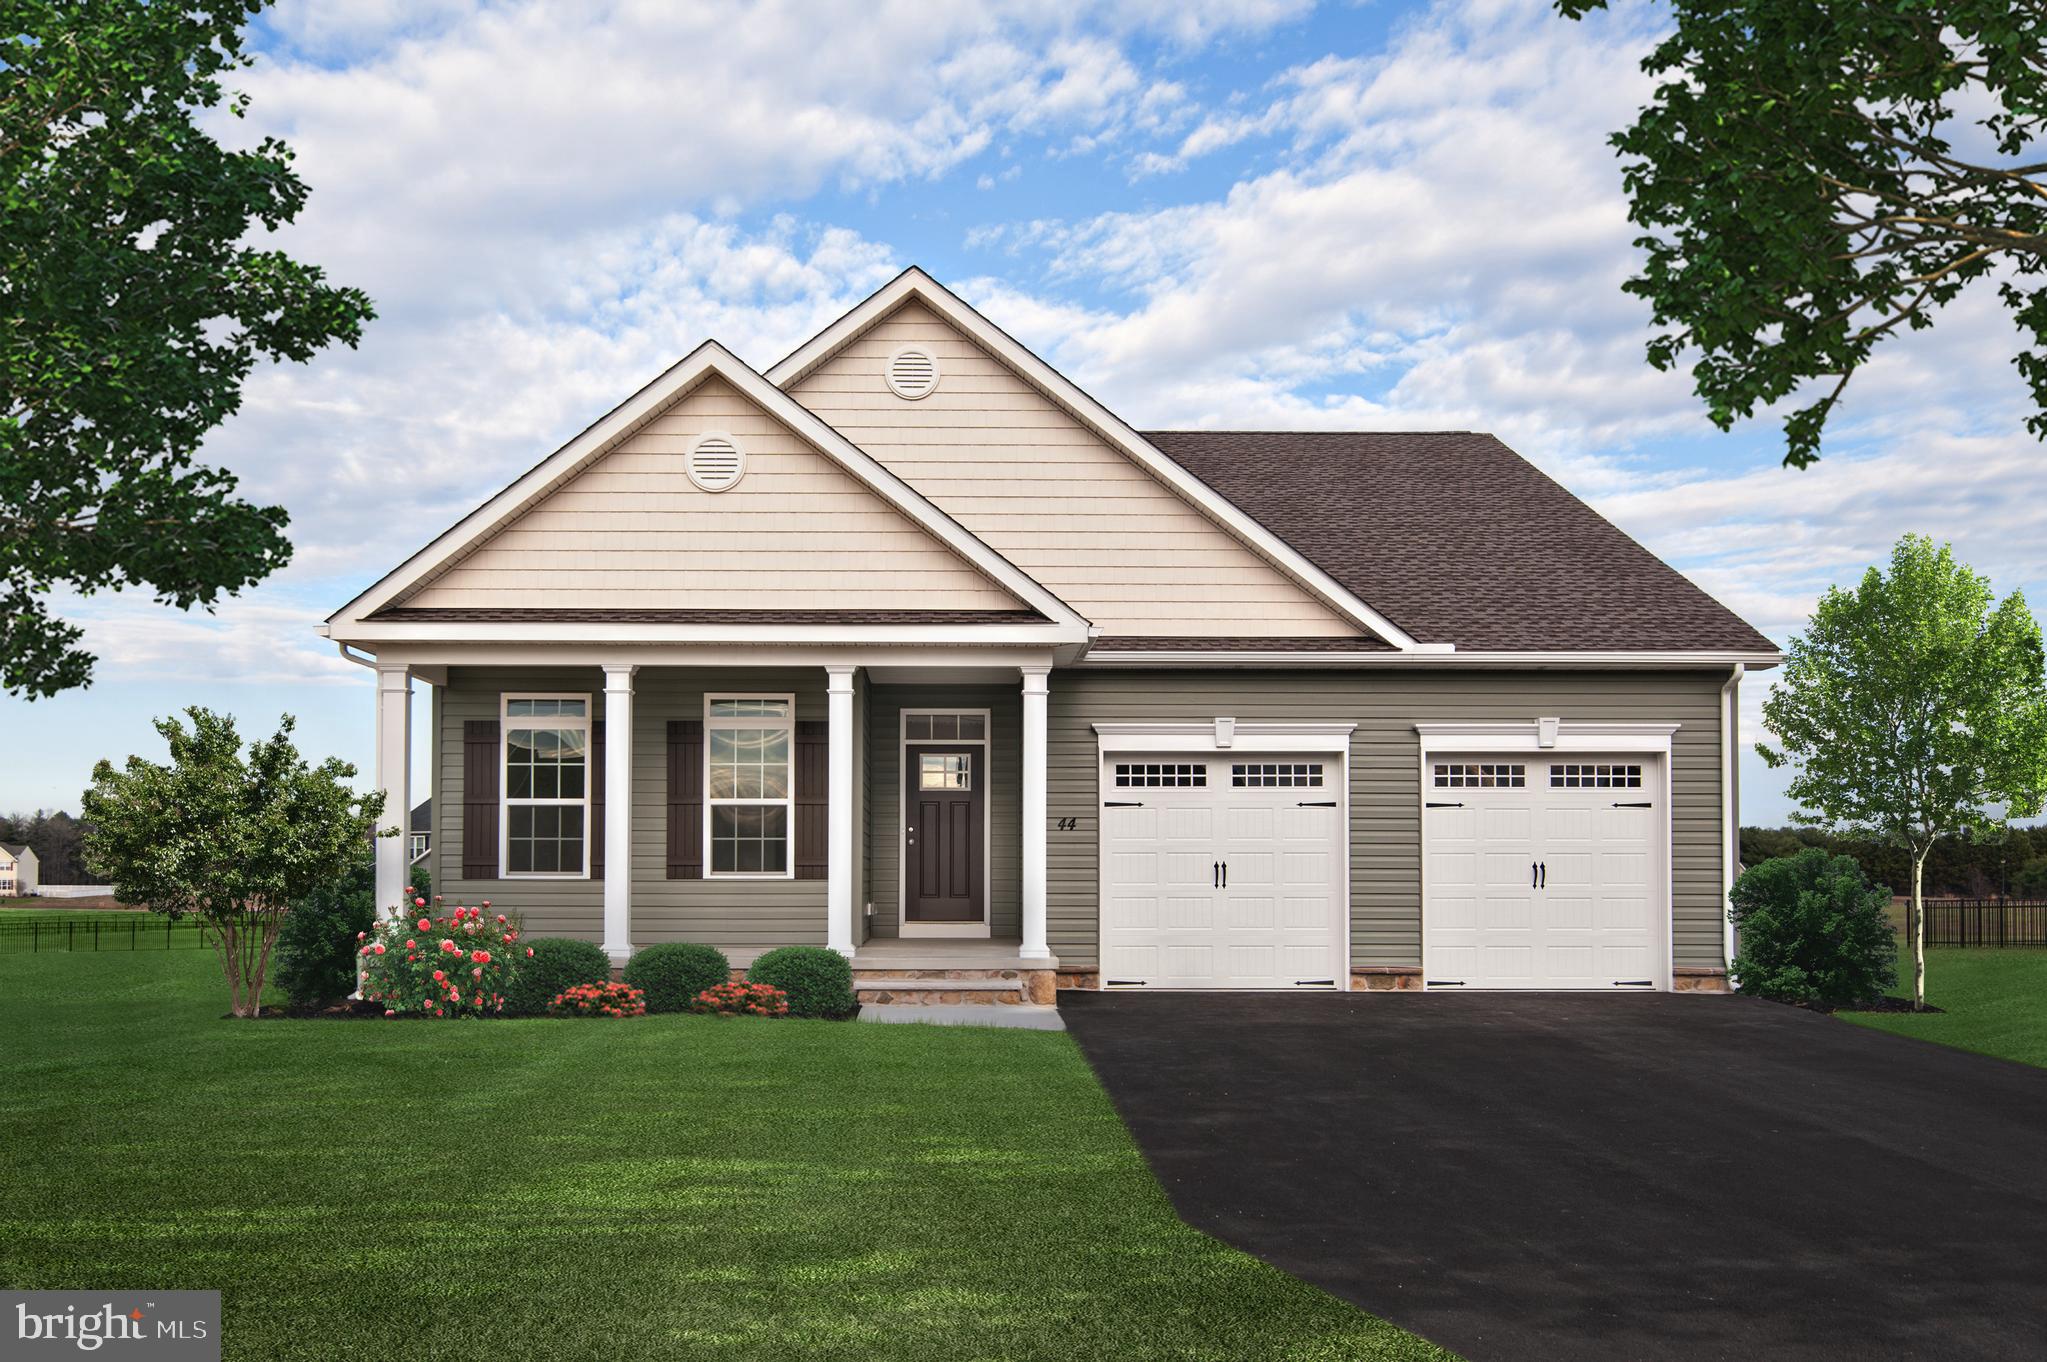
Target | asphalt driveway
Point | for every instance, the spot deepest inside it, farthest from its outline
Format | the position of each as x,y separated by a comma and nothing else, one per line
1545,1176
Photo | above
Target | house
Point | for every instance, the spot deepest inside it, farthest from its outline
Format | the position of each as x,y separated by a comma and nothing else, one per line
419,837
18,869
911,648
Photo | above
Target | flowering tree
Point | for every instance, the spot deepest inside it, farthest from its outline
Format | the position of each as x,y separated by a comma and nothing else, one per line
229,838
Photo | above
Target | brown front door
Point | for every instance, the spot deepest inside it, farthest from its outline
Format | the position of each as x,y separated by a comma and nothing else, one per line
942,844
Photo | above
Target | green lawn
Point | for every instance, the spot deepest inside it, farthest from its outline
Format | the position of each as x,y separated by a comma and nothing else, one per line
1994,1002
672,1187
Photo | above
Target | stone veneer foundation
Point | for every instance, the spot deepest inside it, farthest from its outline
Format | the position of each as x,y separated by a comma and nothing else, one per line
993,987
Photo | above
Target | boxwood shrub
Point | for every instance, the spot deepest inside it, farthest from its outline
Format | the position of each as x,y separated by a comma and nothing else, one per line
1812,930
556,964
674,972
819,982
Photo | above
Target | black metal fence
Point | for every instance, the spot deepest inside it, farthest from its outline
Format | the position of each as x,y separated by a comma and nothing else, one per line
1986,922
127,932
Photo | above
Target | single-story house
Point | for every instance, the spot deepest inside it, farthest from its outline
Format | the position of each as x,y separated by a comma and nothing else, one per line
19,869
911,648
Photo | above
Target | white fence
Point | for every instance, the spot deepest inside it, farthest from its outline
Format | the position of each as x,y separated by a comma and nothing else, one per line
73,891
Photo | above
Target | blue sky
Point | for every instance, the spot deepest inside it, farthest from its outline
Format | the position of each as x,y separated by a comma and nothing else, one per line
1225,213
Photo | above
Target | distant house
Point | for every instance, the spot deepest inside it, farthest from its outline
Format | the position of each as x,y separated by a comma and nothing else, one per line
420,840
18,869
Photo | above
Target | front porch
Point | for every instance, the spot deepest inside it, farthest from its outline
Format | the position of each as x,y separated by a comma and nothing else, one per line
835,759
920,971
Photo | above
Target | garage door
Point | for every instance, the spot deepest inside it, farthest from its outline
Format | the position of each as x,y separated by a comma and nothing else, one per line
1223,872
1543,873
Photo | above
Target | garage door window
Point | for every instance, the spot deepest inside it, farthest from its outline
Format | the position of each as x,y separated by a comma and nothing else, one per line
1595,775
1152,774
1276,774
1480,775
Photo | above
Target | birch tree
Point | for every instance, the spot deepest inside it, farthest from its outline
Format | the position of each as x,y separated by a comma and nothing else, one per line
1913,709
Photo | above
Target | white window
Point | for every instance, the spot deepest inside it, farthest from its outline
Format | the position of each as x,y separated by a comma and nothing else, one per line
749,785
419,841
546,813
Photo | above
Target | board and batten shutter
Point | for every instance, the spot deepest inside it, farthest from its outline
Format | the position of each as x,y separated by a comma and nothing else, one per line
813,790
685,799
596,768
480,799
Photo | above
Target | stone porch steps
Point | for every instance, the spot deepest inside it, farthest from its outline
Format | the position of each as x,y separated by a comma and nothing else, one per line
950,987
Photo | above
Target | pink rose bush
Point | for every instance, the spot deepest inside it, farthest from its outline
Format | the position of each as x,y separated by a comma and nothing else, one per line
456,965
742,1000
609,999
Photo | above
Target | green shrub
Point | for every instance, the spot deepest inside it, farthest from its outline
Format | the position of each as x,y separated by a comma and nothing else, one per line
316,946
1813,930
673,973
819,982
556,965
422,881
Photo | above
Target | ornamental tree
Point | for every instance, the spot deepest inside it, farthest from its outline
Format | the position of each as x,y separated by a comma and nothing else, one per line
1914,709
135,298
231,838
1813,178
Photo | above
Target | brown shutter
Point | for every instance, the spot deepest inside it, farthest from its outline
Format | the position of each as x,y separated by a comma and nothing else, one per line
813,790
480,777
685,799
596,769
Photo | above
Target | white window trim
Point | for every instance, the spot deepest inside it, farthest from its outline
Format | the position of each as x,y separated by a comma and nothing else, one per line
588,723
788,802
985,928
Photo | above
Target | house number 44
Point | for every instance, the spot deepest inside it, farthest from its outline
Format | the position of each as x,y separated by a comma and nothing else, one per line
1068,824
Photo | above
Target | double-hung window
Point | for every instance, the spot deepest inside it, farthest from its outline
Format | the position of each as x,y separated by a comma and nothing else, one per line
547,786
749,780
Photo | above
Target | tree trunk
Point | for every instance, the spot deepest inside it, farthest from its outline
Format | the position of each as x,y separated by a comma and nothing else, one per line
1918,931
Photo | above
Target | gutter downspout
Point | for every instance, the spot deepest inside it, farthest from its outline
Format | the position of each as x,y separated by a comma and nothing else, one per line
1730,807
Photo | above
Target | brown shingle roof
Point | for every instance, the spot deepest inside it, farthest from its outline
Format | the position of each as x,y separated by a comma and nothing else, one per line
1458,539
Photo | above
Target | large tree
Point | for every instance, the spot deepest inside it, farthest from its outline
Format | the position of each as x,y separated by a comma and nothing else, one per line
1813,176
132,307
231,839
1914,708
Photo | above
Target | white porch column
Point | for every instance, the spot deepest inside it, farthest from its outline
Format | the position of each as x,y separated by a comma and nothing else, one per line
394,778
840,907
618,811
1035,696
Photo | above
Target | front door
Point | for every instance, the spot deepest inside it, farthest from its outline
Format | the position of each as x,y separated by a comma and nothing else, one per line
943,844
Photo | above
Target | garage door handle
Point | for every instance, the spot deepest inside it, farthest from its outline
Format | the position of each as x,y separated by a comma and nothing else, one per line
1544,868
1215,874
1226,874
1440,804
1534,875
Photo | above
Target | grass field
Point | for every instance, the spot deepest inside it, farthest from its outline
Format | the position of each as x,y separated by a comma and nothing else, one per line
1993,1002
672,1187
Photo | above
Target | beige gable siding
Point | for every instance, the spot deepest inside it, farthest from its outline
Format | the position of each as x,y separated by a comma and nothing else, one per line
632,532
1051,496
1385,779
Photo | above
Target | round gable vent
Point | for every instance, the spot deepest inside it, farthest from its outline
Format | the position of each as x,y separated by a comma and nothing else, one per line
913,373
716,463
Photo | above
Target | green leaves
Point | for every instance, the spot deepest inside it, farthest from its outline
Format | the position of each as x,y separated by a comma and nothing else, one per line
1914,708
131,312
1802,199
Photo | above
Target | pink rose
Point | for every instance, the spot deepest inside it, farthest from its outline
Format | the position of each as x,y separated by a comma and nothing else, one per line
380,948
439,976
419,903
529,952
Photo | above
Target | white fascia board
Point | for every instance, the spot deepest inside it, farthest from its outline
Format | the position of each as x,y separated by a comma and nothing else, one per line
705,361
913,282
990,664
1201,736
1602,660
427,633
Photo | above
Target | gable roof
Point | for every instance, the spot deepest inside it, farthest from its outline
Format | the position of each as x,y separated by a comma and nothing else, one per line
15,848
914,283
1458,538
705,361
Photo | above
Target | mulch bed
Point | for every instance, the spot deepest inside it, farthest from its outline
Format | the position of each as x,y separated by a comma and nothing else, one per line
1883,1004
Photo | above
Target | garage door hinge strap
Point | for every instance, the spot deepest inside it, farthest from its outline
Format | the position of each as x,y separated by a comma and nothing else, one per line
1122,803
1316,804
1634,983
1642,805
1446,983
1326,983
1439,804
1122,983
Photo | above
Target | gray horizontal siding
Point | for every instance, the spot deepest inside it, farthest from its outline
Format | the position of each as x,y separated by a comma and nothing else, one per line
744,914
1385,776
1005,799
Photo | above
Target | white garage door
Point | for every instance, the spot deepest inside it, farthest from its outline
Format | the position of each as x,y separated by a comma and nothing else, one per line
1223,872
1542,873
